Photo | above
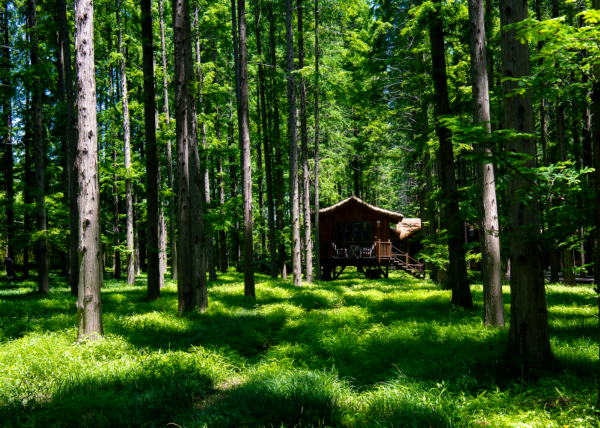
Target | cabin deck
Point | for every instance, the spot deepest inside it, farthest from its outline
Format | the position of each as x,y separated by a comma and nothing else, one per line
375,256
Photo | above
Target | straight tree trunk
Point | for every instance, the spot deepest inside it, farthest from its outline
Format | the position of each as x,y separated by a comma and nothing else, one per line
317,225
60,65
205,183
38,157
155,278
293,145
461,293
71,126
89,306
27,197
276,139
233,170
172,216
528,334
131,271
259,163
244,121
267,151
304,138
192,269
220,178
8,155
486,180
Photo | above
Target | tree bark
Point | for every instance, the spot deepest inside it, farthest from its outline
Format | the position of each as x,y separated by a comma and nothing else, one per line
155,279
259,164
486,180
267,151
528,334
461,293
276,140
317,76
205,182
243,120
304,138
191,269
172,209
293,145
89,306
38,157
131,271
8,155
71,126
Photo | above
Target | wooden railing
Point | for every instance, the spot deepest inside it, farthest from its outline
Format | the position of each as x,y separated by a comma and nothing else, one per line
406,260
356,250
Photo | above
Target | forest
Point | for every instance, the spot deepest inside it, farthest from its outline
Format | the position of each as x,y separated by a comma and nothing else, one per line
164,168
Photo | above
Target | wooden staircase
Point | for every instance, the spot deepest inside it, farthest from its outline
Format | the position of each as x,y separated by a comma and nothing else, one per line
402,261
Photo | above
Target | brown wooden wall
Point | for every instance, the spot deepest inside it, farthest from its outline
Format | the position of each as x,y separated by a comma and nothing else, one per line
353,212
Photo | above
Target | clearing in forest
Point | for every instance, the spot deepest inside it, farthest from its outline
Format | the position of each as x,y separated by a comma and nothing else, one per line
391,352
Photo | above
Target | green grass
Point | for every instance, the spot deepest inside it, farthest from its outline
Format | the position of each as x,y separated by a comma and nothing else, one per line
352,353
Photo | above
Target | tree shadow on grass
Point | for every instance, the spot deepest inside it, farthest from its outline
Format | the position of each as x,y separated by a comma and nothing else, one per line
154,394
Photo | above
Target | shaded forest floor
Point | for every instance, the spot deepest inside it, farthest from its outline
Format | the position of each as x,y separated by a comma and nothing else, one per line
347,353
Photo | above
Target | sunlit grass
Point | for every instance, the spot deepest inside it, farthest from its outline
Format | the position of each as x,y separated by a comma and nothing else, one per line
391,352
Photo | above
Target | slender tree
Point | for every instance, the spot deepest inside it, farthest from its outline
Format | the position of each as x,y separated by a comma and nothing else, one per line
293,145
71,131
486,181
317,230
244,121
461,293
279,167
155,279
172,216
304,138
38,156
267,150
131,271
8,144
89,306
528,334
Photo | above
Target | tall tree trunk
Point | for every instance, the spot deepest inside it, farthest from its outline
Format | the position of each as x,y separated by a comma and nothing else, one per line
205,182
304,138
172,208
220,178
244,127
38,158
276,140
8,155
528,334
131,271
191,269
27,197
486,180
89,307
461,293
60,65
293,145
259,163
155,278
317,227
236,62
267,151
71,127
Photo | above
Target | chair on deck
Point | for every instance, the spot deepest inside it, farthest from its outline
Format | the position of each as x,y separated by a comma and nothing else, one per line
339,253
368,252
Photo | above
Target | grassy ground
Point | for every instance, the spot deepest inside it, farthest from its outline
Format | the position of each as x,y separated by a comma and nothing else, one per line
347,353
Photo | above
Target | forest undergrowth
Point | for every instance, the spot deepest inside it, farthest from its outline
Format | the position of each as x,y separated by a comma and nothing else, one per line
351,353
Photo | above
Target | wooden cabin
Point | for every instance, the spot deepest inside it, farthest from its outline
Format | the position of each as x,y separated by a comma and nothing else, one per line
355,233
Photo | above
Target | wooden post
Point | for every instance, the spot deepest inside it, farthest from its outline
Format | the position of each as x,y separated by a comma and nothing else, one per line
379,250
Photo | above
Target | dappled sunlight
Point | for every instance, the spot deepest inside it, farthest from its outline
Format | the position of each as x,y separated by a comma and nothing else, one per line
344,353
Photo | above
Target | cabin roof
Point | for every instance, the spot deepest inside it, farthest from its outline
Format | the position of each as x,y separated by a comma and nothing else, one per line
407,228
397,217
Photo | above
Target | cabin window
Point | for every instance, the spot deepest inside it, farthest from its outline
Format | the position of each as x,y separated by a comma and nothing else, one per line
354,231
